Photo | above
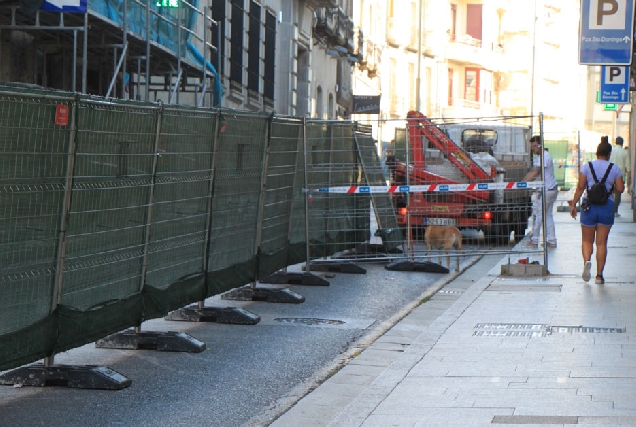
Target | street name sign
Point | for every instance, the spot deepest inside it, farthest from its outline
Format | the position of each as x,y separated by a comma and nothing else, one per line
614,85
606,32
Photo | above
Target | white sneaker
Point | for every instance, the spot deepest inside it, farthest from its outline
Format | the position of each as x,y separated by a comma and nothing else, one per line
587,267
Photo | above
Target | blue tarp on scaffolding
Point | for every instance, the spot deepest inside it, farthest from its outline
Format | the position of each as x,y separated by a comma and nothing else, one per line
162,28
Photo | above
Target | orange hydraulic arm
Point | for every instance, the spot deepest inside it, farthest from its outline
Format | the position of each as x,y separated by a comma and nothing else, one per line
419,125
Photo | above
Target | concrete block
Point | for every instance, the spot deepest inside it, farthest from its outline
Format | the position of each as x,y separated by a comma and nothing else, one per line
523,270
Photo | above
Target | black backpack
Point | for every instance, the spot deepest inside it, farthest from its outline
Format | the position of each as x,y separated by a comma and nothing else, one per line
597,194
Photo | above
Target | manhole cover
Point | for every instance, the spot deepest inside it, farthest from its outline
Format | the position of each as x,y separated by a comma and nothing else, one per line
311,321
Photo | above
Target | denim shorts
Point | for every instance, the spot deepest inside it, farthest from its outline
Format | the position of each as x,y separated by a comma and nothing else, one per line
599,215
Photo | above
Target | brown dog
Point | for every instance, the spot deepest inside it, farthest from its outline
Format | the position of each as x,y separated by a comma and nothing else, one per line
443,237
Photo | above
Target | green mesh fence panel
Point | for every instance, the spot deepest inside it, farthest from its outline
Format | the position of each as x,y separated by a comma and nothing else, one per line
388,227
559,152
301,199
180,207
238,178
33,163
111,192
564,147
285,148
166,206
318,164
334,219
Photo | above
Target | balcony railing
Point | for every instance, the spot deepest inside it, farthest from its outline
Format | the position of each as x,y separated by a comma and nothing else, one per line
468,50
465,108
336,30
316,4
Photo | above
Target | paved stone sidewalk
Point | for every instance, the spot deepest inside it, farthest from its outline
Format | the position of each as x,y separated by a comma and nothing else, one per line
493,350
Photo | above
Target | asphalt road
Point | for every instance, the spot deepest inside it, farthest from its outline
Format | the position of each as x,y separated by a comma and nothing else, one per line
246,375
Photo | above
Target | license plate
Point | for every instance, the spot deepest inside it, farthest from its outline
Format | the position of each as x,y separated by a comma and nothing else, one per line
439,221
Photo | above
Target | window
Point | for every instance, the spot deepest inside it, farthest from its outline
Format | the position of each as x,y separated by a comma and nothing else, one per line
453,23
254,48
415,27
236,42
485,85
393,86
391,7
500,31
319,101
218,14
413,96
471,88
450,87
270,56
473,21
479,140
251,48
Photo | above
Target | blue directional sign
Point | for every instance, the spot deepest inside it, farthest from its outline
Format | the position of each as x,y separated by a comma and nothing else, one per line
614,85
607,32
67,6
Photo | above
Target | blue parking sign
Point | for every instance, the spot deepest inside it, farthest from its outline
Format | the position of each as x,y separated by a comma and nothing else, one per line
614,85
607,32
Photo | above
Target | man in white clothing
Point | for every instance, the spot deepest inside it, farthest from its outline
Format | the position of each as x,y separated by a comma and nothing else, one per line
551,192
620,157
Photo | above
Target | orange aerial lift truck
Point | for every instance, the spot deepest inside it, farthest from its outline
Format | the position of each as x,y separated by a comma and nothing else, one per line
483,214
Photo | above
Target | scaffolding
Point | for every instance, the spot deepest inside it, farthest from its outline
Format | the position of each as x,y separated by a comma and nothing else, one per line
129,49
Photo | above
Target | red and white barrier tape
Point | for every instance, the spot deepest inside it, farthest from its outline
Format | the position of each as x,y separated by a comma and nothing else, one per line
431,188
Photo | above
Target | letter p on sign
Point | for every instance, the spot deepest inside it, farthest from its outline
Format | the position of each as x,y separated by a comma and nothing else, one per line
607,14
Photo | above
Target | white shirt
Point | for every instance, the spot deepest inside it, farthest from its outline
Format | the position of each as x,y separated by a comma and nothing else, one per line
550,181
620,157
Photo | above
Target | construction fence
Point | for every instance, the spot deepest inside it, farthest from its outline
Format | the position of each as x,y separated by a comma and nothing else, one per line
570,151
471,167
115,212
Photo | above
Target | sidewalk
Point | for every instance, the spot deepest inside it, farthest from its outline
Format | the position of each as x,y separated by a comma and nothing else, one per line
494,350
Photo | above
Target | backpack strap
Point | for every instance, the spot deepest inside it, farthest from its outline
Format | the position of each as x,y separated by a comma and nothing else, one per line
606,173
593,173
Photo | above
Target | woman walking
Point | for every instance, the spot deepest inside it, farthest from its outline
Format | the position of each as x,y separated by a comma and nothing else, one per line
597,219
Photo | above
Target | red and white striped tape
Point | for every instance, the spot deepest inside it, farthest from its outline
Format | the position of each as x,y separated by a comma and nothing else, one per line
431,188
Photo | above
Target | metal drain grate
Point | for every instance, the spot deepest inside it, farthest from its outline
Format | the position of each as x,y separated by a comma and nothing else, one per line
510,334
521,279
585,330
449,291
521,326
523,287
310,321
537,330
511,330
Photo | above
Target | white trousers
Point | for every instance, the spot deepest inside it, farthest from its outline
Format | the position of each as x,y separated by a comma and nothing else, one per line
537,211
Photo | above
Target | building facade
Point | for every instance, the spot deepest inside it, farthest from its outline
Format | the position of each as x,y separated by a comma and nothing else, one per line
294,57
478,58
